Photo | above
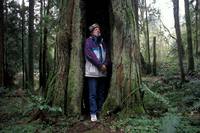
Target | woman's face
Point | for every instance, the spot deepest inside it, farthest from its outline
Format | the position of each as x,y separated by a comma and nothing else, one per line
96,32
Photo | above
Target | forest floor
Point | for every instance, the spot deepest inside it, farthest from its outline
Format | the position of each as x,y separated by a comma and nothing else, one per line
16,116
171,107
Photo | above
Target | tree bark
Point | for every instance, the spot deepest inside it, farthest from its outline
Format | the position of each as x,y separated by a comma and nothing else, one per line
178,36
44,52
147,35
126,79
196,28
30,45
1,44
23,29
189,37
43,47
41,44
154,56
144,16
64,39
76,70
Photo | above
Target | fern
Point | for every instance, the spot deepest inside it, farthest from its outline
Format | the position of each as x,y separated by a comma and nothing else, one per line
39,103
154,94
138,125
169,123
50,86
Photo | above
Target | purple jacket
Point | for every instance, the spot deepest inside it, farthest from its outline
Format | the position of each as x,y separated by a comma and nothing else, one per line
96,54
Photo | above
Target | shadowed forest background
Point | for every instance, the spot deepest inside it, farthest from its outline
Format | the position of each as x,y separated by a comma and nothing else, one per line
153,84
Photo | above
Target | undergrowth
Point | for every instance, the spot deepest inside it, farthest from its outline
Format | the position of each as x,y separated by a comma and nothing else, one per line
171,106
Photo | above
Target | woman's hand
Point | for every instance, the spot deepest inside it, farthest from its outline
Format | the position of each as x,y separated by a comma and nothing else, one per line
103,68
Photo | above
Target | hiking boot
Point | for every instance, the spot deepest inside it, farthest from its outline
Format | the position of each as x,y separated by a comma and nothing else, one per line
93,117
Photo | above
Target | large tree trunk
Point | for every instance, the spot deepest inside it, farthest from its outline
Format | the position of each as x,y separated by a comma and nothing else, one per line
1,44
189,37
126,78
178,40
64,46
30,45
75,80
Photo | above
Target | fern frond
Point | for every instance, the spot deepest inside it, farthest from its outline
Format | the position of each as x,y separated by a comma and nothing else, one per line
144,87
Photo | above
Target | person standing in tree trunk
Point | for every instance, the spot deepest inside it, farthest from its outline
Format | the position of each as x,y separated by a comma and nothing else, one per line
96,65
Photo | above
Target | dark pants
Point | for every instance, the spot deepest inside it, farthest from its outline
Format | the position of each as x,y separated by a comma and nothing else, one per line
96,88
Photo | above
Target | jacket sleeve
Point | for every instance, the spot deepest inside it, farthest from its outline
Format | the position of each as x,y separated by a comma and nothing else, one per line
90,55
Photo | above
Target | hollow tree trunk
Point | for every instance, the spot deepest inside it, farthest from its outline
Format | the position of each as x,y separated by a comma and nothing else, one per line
126,78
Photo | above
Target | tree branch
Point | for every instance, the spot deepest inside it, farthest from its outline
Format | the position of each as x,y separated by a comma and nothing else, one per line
167,30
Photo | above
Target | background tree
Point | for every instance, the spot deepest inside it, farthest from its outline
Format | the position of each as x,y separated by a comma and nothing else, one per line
12,41
1,44
154,56
30,45
197,26
16,40
178,35
23,38
5,42
46,28
189,38
43,63
145,29
196,29
147,35
41,44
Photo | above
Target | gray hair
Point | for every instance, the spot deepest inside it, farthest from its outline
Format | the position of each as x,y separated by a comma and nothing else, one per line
93,26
